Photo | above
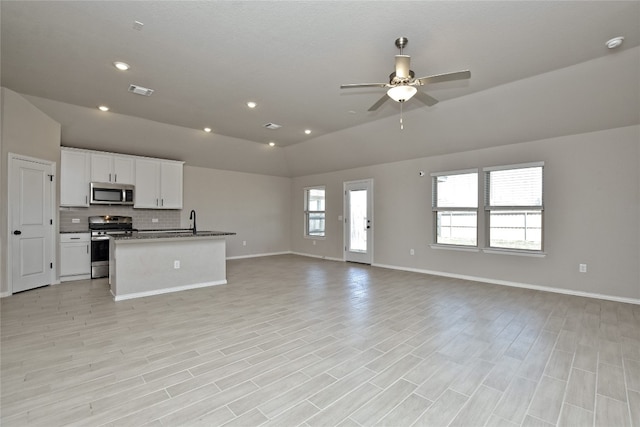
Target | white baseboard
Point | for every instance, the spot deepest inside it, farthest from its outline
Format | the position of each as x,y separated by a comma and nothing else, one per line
317,256
514,284
259,255
167,290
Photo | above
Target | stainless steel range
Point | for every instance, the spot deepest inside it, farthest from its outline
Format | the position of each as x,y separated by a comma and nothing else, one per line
101,228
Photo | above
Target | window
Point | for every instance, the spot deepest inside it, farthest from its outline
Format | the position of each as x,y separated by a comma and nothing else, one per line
513,203
455,207
314,213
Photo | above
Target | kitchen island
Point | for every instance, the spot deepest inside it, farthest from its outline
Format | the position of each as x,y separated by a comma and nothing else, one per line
152,263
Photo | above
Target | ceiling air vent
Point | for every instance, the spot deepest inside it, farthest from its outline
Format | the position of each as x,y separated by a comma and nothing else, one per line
139,90
272,126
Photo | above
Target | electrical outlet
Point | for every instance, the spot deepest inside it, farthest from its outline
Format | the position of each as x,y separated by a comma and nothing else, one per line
176,264
339,217
314,242
154,219
244,243
75,220
412,252
582,268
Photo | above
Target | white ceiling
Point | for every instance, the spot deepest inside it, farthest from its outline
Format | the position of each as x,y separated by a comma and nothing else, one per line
206,59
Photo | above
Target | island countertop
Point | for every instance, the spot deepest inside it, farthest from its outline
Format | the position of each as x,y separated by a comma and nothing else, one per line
171,234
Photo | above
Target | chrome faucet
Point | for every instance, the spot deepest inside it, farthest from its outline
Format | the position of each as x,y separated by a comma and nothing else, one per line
192,216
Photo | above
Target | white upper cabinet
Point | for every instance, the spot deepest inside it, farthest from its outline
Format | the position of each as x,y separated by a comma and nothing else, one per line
171,184
158,184
112,168
74,178
147,193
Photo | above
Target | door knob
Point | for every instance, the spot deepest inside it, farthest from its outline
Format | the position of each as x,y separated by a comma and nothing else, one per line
17,232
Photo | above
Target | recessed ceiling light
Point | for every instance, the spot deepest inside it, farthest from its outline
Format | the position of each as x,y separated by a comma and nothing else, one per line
614,42
207,130
251,104
122,66
103,108
272,144
307,131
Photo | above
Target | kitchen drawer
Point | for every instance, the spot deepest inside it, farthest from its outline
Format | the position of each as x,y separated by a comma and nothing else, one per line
74,237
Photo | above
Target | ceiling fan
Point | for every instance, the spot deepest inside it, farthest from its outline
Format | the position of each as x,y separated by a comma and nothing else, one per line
403,85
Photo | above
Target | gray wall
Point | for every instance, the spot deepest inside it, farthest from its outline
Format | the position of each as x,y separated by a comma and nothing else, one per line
592,206
257,207
27,131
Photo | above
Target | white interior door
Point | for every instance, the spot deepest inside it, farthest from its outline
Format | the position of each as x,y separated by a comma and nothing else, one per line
358,224
31,222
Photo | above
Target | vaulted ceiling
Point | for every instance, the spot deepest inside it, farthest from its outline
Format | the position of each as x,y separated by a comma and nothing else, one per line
206,59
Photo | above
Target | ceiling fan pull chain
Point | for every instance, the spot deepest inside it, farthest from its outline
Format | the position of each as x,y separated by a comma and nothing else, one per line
401,124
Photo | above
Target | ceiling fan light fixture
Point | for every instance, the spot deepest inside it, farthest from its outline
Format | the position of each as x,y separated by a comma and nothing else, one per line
402,93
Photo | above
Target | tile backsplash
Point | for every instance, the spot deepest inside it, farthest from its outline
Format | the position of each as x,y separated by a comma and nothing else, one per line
142,218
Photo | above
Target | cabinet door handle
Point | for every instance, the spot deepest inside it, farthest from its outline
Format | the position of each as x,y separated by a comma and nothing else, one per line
74,238
109,177
115,177
86,199
87,248
162,204
157,202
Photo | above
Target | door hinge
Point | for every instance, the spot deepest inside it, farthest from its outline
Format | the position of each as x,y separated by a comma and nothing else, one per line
51,178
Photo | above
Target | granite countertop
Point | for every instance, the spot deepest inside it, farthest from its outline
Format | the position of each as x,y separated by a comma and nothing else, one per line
168,234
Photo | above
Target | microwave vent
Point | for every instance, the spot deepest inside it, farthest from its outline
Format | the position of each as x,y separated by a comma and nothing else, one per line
139,90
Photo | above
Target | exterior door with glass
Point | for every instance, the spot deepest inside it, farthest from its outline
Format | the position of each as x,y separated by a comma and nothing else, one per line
358,221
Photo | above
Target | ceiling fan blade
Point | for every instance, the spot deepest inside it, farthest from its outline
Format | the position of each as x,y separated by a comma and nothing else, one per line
356,85
446,77
402,66
427,99
378,103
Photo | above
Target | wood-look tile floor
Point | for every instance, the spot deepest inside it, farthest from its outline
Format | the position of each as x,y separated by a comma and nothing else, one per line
300,341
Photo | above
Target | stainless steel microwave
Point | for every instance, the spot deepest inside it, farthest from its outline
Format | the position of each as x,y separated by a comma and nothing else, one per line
103,193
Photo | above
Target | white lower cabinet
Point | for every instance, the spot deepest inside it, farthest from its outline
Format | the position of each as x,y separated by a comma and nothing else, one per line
75,256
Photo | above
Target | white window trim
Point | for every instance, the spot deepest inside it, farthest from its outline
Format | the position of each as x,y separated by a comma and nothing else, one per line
435,209
516,166
307,211
458,172
516,252
487,208
463,248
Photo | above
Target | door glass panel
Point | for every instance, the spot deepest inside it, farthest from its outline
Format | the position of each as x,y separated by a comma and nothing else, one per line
358,220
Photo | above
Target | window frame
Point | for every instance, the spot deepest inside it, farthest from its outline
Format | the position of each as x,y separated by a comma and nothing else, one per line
436,209
308,212
488,209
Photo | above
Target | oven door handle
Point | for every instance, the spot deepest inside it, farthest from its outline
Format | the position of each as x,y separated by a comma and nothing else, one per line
99,238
